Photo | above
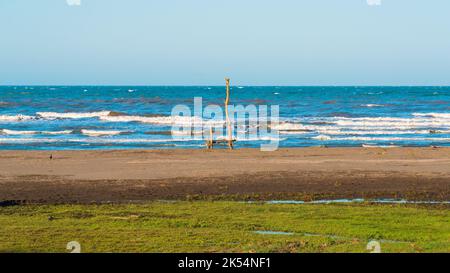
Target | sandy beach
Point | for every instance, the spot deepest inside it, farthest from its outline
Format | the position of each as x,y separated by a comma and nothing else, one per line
299,173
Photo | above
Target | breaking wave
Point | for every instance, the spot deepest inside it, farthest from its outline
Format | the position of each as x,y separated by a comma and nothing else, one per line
434,115
15,132
55,115
325,137
96,133
163,120
15,118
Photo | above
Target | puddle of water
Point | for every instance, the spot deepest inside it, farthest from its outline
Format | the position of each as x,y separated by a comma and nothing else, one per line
270,232
357,200
393,201
324,235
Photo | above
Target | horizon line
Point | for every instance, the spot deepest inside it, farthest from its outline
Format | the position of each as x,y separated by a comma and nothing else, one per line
205,85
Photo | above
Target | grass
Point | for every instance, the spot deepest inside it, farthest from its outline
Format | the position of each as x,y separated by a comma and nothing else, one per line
204,226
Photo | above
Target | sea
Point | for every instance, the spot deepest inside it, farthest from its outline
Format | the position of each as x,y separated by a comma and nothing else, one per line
139,117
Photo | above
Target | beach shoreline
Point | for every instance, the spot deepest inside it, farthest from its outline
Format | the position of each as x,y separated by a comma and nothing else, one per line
124,176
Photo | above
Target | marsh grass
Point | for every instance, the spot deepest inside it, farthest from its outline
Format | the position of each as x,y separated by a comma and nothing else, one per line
203,226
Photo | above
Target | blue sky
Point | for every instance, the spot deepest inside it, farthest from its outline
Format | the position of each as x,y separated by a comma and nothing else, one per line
199,42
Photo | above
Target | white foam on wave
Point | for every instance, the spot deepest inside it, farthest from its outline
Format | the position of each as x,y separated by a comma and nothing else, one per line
258,138
15,132
15,118
294,132
378,146
370,105
89,140
73,115
96,133
322,137
162,120
395,123
434,139
287,126
128,140
321,124
383,132
65,132
27,140
189,133
434,115
106,116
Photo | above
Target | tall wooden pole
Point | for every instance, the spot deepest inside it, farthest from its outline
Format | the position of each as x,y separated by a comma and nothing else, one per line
227,100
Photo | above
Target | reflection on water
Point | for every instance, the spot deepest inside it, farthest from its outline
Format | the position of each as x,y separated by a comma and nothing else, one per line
357,200
269,232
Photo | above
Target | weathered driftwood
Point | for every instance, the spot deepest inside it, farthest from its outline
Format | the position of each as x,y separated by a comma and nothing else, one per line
227,100
229,141
211,141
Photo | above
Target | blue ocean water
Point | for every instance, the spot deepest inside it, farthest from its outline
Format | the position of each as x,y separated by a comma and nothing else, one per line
120,117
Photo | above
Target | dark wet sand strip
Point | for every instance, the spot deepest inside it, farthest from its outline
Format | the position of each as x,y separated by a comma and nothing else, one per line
247,174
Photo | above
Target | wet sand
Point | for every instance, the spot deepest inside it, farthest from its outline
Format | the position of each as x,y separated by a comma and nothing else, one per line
245,174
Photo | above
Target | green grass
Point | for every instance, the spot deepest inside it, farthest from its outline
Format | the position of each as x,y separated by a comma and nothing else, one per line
203,226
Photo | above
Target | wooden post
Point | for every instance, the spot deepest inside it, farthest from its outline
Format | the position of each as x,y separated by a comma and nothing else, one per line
211,138
227,100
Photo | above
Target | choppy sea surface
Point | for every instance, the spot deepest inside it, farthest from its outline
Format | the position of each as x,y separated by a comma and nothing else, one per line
113,117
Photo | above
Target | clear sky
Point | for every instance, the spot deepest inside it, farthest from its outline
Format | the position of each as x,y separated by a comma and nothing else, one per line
199,42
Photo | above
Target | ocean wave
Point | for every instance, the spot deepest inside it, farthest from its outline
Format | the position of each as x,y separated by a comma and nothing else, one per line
361,130
383,132
259,138
370,105
15,132
177,133
15,118
322,137
287,126
127,140
378,119
110,116
65,132
325,137
434,115
96,133
379,146
324,128
392,122
90,140
72,115
294,132
162,120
